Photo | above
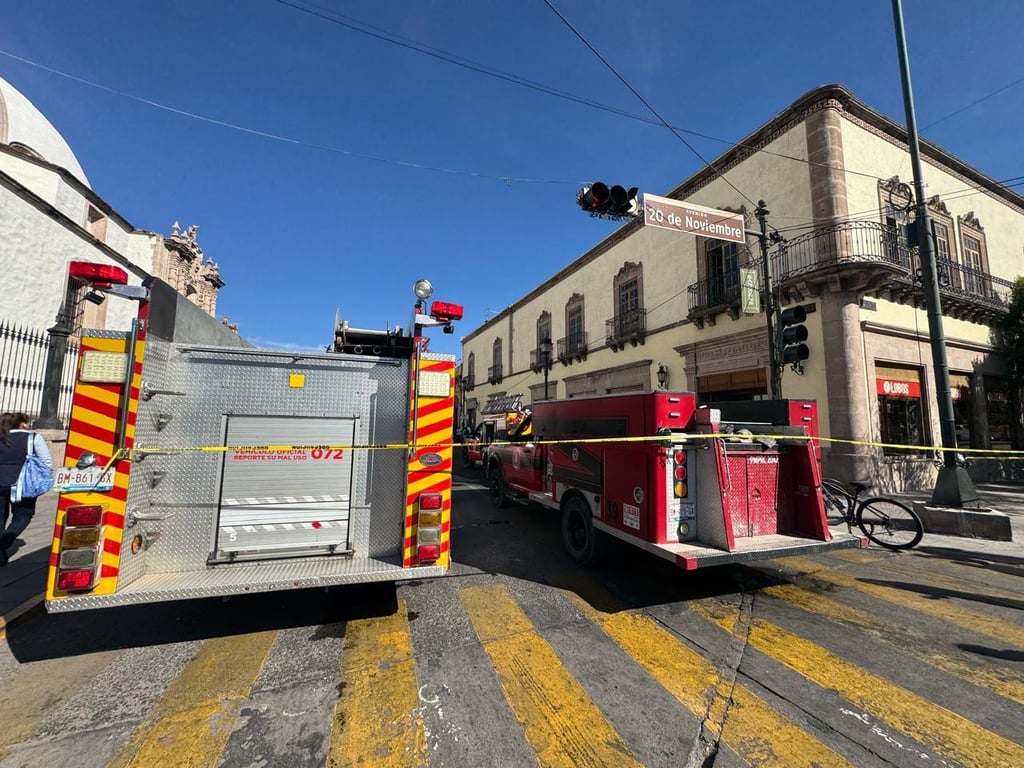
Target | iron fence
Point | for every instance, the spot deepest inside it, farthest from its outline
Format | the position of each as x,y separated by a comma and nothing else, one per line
23,353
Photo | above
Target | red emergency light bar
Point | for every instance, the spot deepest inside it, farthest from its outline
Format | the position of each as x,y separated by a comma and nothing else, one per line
98,274
446,311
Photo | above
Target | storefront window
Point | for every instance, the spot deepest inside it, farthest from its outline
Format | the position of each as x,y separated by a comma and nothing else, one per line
997,395
960,389
901,415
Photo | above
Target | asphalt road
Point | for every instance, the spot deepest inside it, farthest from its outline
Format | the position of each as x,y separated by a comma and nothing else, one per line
519,658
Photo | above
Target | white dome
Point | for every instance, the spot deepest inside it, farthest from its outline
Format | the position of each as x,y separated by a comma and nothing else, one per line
23,124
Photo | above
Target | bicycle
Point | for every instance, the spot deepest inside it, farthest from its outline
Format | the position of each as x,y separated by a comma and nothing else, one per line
887,522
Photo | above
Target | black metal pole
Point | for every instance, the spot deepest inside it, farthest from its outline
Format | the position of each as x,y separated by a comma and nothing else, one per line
57,348
770,305
954,485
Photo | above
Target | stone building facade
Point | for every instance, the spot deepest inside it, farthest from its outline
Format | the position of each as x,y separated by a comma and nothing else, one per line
835,175
49,216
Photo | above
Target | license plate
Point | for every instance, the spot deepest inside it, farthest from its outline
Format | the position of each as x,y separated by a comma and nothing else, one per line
88,479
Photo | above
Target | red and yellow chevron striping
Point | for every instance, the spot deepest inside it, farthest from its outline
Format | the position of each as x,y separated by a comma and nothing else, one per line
93,428
431,422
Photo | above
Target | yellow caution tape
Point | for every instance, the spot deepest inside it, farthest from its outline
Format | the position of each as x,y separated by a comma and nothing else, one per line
675,437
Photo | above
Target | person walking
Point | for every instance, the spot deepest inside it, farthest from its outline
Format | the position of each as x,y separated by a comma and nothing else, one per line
17,511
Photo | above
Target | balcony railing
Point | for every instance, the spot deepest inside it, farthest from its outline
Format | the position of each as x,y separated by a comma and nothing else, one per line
572,347
494,374
629,326
537,359
468,382
887,267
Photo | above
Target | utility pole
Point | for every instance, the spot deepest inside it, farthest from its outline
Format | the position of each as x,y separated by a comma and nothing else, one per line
770,305
954,487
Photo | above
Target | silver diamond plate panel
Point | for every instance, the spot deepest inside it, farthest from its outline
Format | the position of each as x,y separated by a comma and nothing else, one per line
711,520
247,578
201,388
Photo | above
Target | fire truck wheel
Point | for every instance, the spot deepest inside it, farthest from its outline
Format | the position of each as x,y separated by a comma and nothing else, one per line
582,541
497,487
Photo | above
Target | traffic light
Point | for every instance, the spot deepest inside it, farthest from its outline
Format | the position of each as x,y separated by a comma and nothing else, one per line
608,202
792,335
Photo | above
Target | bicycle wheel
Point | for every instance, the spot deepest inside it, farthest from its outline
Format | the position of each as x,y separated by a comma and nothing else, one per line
889,523
838,502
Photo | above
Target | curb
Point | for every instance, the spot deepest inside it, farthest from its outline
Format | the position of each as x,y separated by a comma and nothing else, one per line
975,523
8,618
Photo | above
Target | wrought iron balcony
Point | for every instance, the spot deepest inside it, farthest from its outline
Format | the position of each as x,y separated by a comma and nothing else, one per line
572,347
720,293
468,382
867,256
538,359
494,374
629,326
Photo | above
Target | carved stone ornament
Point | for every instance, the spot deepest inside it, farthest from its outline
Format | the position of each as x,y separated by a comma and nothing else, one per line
972,221
935,203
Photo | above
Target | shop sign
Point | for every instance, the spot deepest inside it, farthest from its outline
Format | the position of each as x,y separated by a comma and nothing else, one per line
895,388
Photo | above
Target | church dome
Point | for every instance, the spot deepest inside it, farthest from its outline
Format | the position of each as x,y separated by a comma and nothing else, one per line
24,128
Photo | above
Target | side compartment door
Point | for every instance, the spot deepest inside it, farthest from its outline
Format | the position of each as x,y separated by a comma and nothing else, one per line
285,503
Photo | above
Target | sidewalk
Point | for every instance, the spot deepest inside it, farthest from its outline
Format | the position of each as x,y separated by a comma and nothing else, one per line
23,580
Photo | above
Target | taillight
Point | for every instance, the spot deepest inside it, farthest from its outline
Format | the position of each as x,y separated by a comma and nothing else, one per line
70,581
429,501
80,543
679,474
428,553
83,515
428,528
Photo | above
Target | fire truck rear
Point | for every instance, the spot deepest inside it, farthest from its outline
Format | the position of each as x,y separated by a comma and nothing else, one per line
197,465
695,485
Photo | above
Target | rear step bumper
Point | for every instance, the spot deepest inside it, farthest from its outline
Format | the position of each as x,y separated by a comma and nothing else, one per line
246,579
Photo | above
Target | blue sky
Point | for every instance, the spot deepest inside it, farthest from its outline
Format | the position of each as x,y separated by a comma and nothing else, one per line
394,164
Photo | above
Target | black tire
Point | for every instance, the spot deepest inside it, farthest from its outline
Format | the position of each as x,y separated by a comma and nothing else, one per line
496,486
838,501
584,543
889,523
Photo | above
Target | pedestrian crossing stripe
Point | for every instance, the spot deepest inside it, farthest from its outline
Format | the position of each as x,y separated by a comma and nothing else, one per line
1006,632
749,727
937,728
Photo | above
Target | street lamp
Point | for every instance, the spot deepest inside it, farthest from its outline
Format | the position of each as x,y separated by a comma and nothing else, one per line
662,376
545,354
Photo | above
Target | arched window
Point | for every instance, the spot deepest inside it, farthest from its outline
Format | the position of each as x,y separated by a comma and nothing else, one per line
537,359
630,321
494,373
574,344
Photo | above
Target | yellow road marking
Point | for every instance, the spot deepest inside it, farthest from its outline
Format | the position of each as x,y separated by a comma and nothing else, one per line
191,723
895,564
752,729
377,721
1003,681
936,727
565,729
1006,632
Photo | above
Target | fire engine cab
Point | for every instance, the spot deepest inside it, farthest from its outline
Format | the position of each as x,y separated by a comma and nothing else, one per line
500,417
197,465
695,485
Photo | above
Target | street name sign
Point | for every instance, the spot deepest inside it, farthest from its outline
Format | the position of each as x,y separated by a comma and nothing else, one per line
678,216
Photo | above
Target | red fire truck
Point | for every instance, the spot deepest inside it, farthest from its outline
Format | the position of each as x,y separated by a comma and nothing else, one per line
198,465
500,417
696,485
